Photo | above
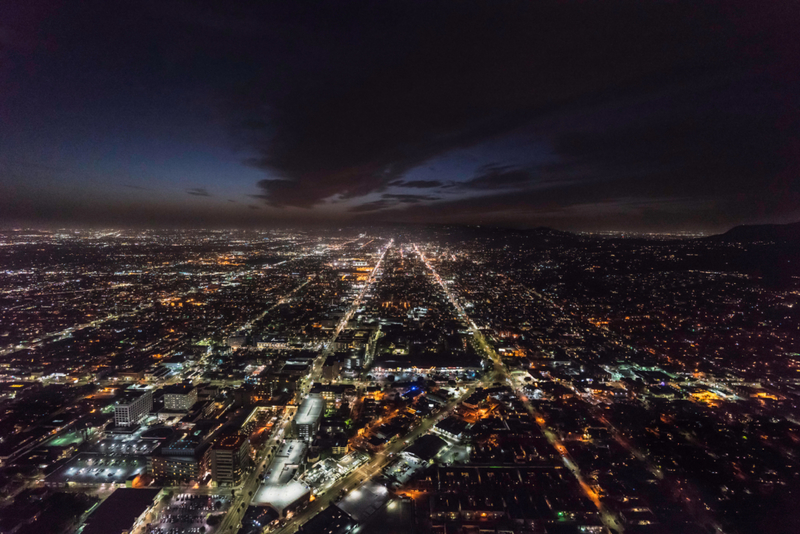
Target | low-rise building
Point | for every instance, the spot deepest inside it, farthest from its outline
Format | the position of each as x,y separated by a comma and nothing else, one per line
180,397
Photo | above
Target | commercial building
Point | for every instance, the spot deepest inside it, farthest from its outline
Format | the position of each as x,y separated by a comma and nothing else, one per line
237,341
427,447
122,512
180,397
332,520
182,460
229,458
451,427
306,422
335,393
427,364
133,408
176,468
339,445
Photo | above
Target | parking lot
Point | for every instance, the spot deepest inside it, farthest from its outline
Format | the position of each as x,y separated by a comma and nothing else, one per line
123,447
404,468
188,513
278,488
94,469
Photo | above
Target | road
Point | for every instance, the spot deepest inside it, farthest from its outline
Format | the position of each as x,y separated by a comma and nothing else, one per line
377,463
606,516
380,460
232,521
319,361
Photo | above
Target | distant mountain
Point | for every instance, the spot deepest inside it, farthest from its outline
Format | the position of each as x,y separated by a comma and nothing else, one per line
762,232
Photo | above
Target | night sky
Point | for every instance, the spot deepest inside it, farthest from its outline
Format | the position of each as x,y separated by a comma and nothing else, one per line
635,116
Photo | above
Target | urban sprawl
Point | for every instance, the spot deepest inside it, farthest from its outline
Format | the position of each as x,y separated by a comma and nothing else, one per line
393,380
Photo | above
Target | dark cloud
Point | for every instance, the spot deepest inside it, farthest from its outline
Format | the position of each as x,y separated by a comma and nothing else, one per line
198,192
408,199
394,87
391,200
651,112
494,177
416,184
684,166
253,207
704,171
272,190
372,206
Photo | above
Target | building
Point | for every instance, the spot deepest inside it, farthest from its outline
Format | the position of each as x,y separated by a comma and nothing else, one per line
237,341
453,364
181,461
451,427
339,445
180,397
332,367
427,447
229,457
335,393
124,511
176,468
132,409
332,520
306,421
273,343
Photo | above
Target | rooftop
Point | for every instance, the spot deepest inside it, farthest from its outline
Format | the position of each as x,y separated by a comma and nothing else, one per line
229,442
118,513
310,411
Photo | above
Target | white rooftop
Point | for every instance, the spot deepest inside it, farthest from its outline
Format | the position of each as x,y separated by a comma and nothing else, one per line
310,411
279,490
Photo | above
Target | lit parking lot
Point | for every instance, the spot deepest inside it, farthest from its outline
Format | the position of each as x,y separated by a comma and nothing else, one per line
187,513
95,469
404,469
120,447
279,489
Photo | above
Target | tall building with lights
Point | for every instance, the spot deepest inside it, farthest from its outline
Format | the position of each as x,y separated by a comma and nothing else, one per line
132,409
229,457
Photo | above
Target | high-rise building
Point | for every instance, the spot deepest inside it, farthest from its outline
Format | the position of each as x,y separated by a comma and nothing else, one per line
133,408
229,457
182,460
